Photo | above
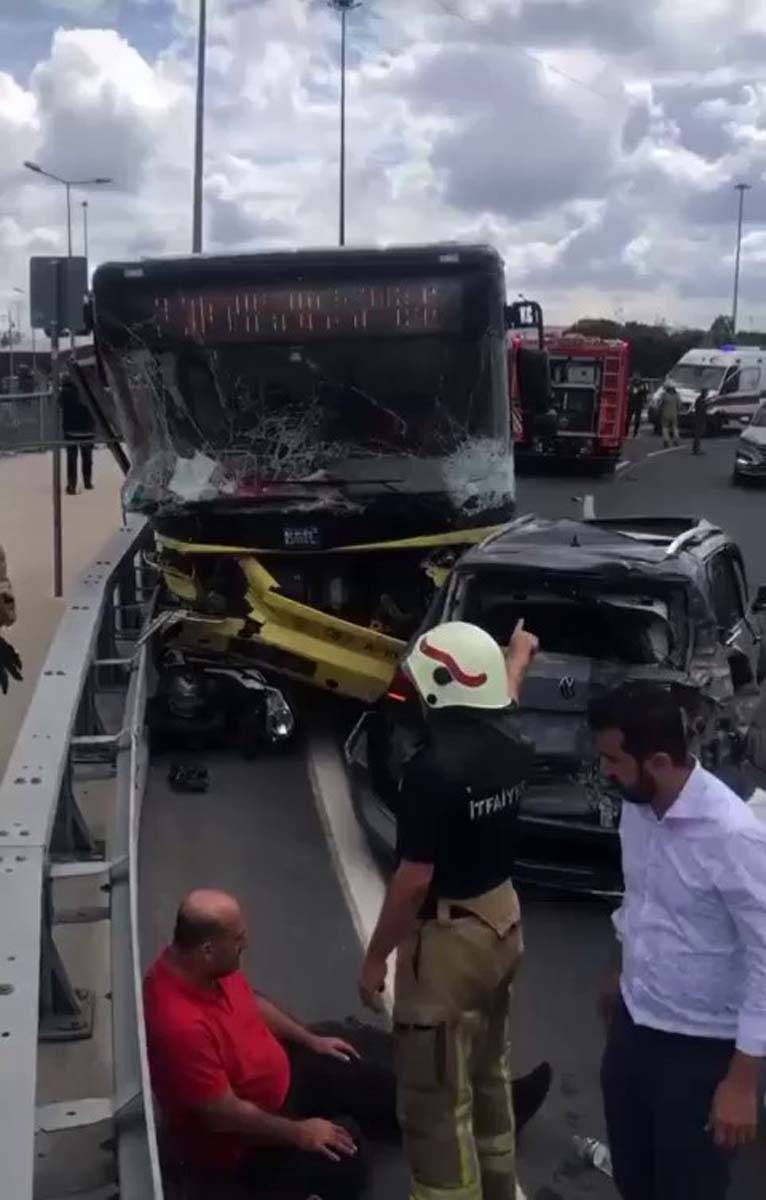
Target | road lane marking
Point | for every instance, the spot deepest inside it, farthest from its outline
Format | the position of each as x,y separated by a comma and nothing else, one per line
357,871
665,450
588,508
623,466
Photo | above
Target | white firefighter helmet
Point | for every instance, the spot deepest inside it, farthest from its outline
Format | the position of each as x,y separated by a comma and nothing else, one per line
458,664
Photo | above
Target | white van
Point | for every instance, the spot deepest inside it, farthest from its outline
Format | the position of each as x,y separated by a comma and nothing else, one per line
735,378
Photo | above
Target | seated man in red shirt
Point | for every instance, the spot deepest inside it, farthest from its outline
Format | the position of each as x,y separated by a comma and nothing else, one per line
244,1088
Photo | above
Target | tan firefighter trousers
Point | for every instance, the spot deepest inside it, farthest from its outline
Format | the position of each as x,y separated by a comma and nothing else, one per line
451,1017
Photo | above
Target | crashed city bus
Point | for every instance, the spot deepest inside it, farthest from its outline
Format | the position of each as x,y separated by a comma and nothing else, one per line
316,435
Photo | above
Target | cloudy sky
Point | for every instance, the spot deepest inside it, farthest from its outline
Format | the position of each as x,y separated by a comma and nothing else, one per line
595,142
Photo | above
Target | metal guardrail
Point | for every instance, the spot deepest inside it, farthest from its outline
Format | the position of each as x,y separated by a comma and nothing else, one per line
44,837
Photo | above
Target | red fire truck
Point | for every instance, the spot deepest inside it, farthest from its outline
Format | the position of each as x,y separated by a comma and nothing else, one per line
569,393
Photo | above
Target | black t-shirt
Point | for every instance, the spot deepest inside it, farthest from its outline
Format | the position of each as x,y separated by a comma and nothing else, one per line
458,800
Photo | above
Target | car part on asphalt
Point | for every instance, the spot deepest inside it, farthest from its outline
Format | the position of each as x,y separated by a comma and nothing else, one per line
203,704
185,777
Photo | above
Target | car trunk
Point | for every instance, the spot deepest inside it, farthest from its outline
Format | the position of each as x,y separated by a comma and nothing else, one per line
554,716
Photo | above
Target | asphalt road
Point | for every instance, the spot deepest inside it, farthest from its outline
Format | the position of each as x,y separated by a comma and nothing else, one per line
569,943
665,482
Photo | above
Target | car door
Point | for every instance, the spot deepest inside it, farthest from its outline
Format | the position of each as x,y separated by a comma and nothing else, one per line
748,395
728,585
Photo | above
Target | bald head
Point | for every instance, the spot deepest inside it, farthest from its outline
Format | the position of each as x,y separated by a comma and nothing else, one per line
210,923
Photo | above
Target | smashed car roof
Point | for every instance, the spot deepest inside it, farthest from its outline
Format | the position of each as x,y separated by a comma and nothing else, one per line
645,545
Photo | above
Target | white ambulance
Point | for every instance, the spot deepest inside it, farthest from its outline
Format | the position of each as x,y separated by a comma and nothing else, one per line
735,380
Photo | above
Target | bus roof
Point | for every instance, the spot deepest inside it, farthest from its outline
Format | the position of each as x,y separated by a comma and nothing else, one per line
179,268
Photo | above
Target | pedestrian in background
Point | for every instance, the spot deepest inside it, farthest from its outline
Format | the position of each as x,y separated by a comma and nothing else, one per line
687,1030
700,421
669,404
79,433
637,397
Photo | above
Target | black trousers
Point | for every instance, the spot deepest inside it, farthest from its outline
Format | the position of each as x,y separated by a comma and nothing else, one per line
360,1094
658,1089
634,419
85,448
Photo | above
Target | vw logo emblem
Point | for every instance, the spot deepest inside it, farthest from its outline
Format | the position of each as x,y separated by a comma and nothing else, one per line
567,687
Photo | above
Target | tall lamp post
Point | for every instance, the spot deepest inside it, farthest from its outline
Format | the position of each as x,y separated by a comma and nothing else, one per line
68,184
199,131
741,188
344,7
19,292
85,229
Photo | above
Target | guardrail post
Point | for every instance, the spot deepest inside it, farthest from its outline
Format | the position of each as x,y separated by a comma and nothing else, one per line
71,836
66,1013
131,617
88,719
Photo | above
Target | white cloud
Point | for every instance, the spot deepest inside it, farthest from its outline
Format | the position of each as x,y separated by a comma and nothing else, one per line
594,141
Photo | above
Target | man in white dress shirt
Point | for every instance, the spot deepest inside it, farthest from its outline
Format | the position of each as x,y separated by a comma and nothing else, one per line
687,1033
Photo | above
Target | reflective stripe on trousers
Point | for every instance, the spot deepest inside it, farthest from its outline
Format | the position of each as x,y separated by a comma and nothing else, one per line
451,1018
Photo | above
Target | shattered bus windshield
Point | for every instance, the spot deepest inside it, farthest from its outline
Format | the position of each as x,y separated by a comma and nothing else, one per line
226,385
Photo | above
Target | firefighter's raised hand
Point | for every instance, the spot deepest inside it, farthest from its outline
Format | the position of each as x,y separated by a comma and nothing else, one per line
10,665
523,645
522,648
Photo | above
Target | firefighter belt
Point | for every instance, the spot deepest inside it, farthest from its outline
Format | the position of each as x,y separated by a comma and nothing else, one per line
451,1018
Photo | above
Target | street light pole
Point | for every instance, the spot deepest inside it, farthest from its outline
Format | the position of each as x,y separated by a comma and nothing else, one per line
68,187
10,347
741,188
85,229
343,7
199,131
68,184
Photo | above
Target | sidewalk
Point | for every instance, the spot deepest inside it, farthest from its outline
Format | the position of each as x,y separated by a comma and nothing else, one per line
26,532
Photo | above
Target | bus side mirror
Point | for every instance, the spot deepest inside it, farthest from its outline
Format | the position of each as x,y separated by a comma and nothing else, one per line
759,604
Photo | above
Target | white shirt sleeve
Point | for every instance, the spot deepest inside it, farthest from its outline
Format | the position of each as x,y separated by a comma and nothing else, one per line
742,884
618,923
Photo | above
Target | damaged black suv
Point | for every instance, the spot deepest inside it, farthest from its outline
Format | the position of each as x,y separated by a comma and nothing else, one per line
611,600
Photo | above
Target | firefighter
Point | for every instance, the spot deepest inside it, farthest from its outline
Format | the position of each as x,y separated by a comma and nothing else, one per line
669,407
10,663
452,912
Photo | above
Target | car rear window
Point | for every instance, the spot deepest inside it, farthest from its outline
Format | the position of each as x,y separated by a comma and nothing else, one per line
588,623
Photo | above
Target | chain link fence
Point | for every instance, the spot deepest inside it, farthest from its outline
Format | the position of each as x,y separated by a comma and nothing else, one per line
29,422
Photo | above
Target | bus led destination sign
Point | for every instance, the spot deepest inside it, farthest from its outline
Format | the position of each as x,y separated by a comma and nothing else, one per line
295,313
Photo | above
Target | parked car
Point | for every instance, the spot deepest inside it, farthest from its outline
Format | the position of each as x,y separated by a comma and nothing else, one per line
750,455
611,600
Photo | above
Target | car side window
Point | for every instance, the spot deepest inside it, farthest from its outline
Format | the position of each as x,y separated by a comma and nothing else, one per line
728,598
730,384
750,379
